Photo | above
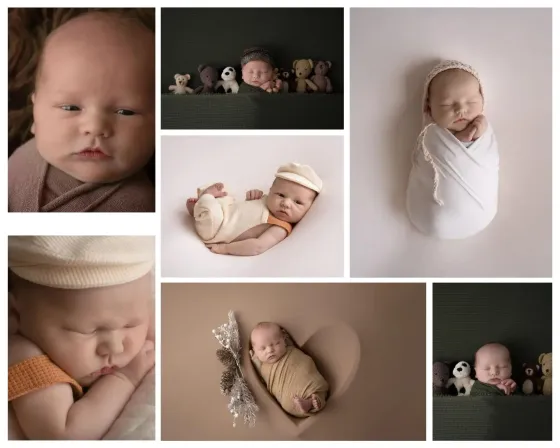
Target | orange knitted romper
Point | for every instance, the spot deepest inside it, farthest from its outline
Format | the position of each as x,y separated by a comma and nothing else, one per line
37,373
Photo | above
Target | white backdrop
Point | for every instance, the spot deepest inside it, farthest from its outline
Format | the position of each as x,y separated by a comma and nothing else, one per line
316,246
392,51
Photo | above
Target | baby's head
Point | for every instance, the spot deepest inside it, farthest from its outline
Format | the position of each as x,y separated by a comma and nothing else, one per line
453,95
293,192
492,363
268,342
87,310
94,100
257,66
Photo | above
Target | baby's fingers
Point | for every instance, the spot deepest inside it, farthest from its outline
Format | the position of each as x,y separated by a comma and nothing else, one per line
473,132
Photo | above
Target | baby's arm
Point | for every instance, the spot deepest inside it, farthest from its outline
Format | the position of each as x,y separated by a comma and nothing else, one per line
51,413
253,195
252,246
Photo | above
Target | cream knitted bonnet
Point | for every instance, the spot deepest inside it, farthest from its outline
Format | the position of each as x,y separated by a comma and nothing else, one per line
79,262
427,118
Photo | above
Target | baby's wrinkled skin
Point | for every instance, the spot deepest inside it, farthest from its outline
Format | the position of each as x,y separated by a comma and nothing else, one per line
493,366
455,103
98,336
269,346
94,101
260,74
286,200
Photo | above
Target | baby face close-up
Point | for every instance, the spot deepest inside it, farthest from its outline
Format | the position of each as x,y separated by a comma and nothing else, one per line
256,73
454,99
94,101
492,364
289,201
86,332
268,343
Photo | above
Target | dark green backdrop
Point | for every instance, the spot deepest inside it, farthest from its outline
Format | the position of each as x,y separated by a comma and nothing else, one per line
218,36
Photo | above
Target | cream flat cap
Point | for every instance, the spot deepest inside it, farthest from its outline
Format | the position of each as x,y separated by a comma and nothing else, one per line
300,174
79,262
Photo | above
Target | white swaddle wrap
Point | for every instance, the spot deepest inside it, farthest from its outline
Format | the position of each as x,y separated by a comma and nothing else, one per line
452,189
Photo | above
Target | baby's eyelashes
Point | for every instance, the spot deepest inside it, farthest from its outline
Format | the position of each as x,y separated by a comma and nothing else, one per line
125,112
70,107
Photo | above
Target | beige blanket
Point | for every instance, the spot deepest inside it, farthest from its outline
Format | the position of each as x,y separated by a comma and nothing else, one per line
295,374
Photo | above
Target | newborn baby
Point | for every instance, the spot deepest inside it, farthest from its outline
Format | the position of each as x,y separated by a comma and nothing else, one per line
82,308
261,221
492,364
94,121
453,184
257,69
290,375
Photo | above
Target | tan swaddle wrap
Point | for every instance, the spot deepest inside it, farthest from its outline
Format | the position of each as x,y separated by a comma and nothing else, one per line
295,374
36,186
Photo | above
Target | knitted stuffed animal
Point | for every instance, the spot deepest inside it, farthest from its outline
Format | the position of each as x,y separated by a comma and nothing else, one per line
545,360
320,78
180,87
440,377
228,81
209,77
532,384
302,69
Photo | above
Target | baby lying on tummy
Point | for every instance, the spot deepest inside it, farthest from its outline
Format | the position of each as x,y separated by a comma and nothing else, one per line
94,121
492,364
453,184
83,309
257,70
261,221
290,375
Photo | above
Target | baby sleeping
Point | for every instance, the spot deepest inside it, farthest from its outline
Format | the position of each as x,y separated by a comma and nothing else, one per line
257,70
453,184
81,336
93,121
289,374
255,225
492,364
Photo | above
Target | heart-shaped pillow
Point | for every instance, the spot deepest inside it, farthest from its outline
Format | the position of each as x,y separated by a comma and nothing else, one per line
336,352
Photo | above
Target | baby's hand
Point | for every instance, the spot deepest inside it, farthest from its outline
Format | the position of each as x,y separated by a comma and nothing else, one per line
136,369
480,124
467,134
509,383
219,248
253,195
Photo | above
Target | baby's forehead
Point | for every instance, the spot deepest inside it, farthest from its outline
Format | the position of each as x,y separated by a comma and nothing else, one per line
257,63
492,351
292,186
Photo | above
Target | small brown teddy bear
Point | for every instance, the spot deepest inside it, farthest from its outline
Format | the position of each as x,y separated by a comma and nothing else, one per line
288,84
302,69
180,87
320,78
532,384
545,360
209,77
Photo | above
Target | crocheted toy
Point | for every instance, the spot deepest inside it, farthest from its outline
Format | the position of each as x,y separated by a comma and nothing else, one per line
180,87
440,377
320,78
209,77
462,378
531,384
545,360
288,84
302,69
228,81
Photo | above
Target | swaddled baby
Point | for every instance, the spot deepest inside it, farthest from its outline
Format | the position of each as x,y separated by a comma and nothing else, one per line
93,121
82,336
453,185
290,375
492,364
253,226
258,71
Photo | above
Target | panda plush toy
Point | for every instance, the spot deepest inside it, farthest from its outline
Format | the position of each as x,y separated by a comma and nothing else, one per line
228,81
461,381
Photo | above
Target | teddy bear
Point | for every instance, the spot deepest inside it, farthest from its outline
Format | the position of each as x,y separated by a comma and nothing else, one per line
440,377
228,81
545,360
209,77
287,79
462,378
531,383
180,87
302,69
320,78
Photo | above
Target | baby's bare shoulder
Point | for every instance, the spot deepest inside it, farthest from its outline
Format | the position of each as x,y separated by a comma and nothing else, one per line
20,349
